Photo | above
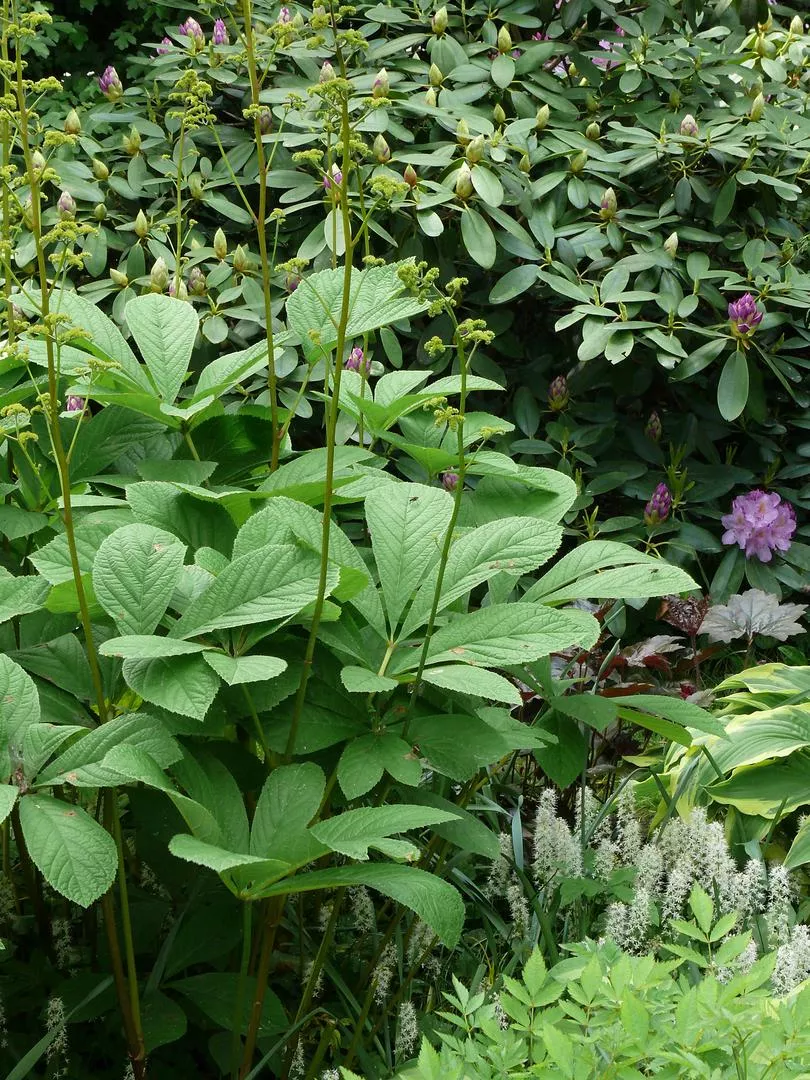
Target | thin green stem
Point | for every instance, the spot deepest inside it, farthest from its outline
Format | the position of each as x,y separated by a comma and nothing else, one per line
331,426
129,1008
241,991
275,909
448,536
178,243
260,219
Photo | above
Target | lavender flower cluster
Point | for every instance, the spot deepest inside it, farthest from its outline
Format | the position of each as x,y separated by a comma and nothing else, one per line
760,523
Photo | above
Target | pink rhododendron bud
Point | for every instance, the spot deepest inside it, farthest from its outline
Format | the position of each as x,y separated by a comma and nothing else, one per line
760,523
74,403
196,281
380,86
608,204
652,429
558,393
689,126
220,34
109,84
164,47
744,315
66,205
327,73
192,30
450,481
284,16
659,506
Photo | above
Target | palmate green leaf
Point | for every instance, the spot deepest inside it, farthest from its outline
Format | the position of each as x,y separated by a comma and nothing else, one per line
513,545
145,732
241,873
226,371
8,797
149,647
235,670
19,702
407,523
606,570
124,764
377,298
505,634
181,684
353,832
435,901
272,582
359,680
458,745
286,520
164,329
479,682
20,595
135,573
466,831
103,338
212,788
533,492
290,799
53,559
676,710
74,854
366,758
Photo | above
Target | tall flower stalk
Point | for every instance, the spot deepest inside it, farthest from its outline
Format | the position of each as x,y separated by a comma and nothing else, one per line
125,981
260,220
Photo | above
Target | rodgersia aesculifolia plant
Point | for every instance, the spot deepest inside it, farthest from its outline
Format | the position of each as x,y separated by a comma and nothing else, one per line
269,593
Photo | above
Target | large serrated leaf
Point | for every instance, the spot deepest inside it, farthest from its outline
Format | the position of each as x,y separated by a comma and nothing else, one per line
377,298
140,730
165,329
364,760
504,634
513,545
407,523
20,595
135,572
74,854
289,801
181,684
273,582
53,559
435,901
607,570
354,831
19,702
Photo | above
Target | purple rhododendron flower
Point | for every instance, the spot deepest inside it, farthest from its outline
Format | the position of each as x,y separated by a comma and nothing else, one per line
109,83
744,315
164,47
74,403
284,16
659,506
192,29
760,523
608,46
450,481
220,34
558,393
